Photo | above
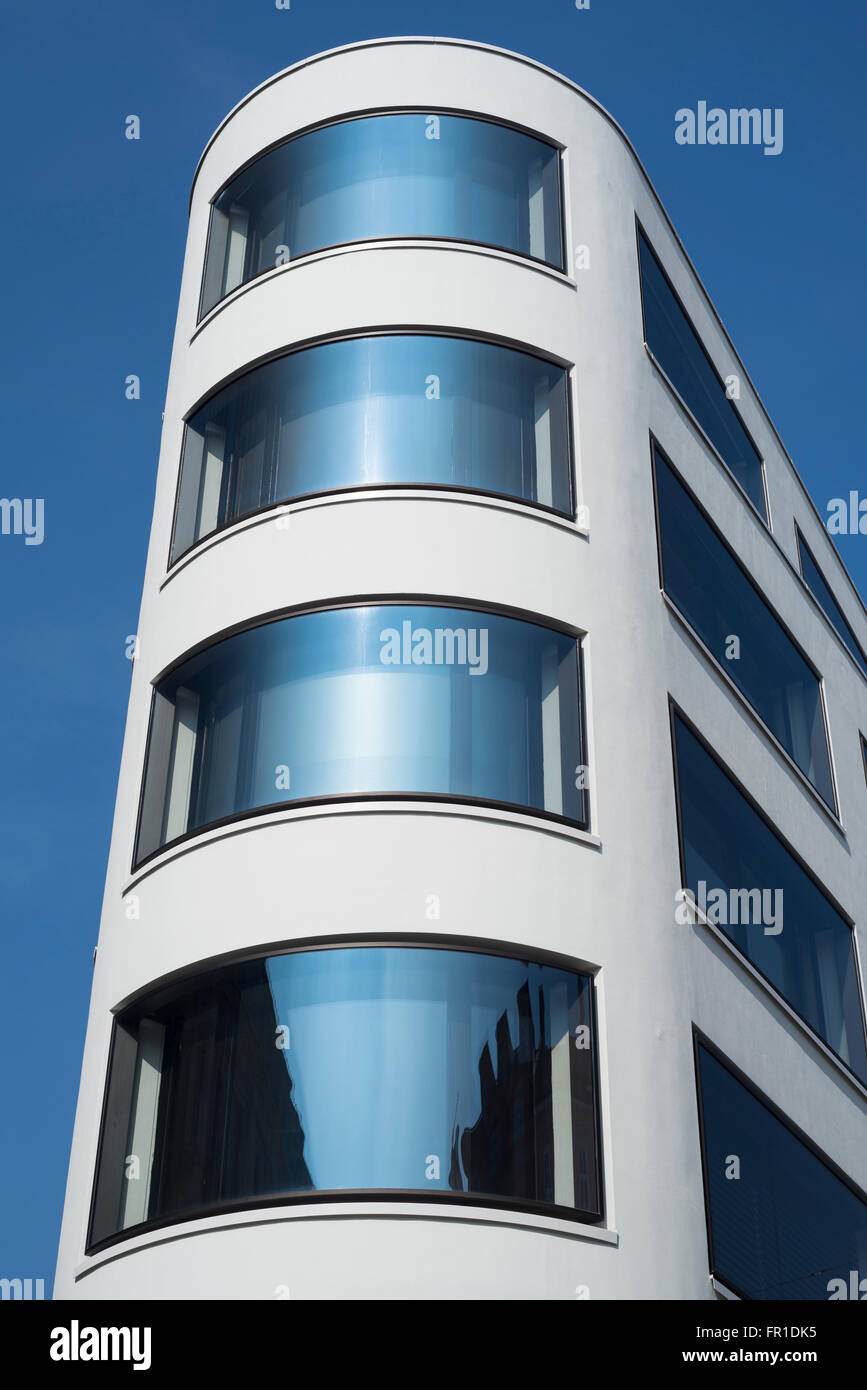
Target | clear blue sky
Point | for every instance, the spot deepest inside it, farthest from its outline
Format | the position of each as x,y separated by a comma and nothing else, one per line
94,227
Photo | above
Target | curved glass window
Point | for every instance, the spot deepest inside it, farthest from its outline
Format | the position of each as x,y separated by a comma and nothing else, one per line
411,409
373,700
429,1072
399,175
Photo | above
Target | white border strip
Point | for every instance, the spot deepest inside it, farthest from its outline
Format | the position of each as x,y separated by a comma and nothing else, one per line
247,824
386,493
352,1211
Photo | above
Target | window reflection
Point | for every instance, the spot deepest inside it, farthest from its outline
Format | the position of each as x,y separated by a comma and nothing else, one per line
406,1069
816,583
788,1227
366,412
679,351
704,580
790,931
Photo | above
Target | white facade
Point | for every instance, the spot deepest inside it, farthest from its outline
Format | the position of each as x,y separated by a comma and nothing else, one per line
605,899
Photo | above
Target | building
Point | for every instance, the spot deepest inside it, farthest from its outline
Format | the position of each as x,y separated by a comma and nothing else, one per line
489,863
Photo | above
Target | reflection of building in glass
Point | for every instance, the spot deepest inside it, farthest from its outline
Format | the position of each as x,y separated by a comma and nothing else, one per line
493,1155
221,1108
226,1101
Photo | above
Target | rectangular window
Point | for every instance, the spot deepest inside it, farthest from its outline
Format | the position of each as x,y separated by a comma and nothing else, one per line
750,884
783,1223
727,612
678,349
815,582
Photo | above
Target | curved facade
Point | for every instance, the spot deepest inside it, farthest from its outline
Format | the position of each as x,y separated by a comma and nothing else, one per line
424,968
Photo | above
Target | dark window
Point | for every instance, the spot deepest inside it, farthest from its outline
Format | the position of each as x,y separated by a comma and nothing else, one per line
382,699
369,412
747,880
787,1226
400,175
355,1069
679,352
815,582
705,581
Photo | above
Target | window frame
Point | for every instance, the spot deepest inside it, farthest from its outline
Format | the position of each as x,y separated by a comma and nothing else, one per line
801,545
832,811
576,635
460,113
459,944
677,712
641,232
701,1040
305,345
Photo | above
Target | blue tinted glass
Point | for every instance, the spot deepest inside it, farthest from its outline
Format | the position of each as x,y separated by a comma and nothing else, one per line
745,879
364,412
678,350
787,1227
410,175
367,1068
815,582
703,579
363,701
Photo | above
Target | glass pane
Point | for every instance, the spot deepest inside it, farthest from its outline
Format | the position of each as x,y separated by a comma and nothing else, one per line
705,581
678,350
363,1068
364,701
369,412
815,582
787,1227
748,882
410,175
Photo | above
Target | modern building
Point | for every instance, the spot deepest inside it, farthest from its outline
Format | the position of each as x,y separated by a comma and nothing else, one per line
490,853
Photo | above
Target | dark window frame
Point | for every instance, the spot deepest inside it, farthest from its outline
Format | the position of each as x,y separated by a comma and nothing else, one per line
641,232
801,546
367,113
487,339
677,712
832,811
180,979
701,1040
349,798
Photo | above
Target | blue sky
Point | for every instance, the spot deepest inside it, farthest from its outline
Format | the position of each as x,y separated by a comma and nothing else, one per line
95,228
